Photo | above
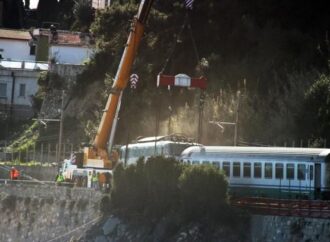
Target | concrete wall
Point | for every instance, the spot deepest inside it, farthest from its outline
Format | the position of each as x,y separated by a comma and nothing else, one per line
16,50
70,54
42,213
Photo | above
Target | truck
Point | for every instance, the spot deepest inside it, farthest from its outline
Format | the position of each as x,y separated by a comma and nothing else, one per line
96,157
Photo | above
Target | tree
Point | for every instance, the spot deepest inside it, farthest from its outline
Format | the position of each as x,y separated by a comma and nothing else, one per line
314,119
27,4
47,11
13,14
83,14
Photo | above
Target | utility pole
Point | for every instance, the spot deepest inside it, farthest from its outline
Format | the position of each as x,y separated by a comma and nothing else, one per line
61,128
61,119
236,119
221,124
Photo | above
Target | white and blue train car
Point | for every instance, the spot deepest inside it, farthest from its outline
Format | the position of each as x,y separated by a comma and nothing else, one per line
268,171
148,147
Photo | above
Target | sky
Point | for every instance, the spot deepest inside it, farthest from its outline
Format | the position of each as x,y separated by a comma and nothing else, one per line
34,3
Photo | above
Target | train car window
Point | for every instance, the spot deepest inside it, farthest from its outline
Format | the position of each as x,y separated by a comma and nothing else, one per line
268,170
226,168
237,169
246,169
279,171
206,162
257,170
289,171
301,172
311,172
195,162
216,164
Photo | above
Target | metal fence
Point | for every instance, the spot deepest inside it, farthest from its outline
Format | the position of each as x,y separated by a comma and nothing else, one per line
41,152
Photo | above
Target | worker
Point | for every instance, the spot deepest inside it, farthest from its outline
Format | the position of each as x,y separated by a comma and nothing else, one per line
102,180
95,180
14,173
60,178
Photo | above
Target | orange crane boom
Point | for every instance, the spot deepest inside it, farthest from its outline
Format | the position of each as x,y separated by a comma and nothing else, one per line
97,155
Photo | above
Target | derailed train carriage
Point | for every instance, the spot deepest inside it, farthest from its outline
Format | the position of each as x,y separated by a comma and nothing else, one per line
268,171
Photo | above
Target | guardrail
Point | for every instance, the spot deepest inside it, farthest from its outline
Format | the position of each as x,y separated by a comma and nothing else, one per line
285,207
35,182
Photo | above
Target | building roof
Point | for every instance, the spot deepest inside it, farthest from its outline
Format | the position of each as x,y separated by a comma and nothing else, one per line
14,34
63,37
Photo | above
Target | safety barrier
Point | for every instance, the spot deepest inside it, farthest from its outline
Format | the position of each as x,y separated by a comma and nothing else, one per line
35,182
284,207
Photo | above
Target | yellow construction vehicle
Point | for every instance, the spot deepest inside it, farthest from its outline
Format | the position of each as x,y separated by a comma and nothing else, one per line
97,156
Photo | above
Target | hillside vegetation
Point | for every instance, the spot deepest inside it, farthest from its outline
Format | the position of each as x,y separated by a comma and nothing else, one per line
275,53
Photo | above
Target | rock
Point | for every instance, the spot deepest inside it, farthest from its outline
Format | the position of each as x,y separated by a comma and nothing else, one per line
110,225
101,239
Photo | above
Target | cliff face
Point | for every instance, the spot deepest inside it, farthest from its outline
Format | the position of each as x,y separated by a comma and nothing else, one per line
260,229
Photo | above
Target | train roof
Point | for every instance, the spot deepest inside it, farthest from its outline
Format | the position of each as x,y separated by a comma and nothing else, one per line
238,150
158,143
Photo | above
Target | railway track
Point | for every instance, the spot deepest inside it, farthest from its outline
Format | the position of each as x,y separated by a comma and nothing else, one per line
285,207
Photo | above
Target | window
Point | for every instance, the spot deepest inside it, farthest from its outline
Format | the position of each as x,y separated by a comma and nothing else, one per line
257,170
311,172
237,169
195,162
22,90
32,50
279,171
216,164
246,169
226,168
289,171
206,162
3,89
301,172
268,170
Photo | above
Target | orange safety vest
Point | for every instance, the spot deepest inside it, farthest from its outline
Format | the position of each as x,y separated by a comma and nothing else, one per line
14,174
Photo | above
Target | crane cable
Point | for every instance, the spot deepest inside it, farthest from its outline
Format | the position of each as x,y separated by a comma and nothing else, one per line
186,24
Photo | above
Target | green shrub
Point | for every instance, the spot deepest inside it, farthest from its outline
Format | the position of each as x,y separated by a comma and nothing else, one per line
129,188
203,192
146,188
162,175
161,185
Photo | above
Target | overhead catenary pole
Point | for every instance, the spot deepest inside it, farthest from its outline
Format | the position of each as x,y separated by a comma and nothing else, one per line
61,128
236,119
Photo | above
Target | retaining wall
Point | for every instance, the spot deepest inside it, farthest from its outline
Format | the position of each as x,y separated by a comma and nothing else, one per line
45,213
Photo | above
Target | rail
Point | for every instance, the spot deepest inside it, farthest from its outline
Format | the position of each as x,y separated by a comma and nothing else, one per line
284,207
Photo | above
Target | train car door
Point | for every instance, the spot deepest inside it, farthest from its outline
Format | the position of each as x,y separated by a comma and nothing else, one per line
317,180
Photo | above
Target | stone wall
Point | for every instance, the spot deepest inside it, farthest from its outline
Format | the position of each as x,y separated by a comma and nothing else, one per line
43,213
289,229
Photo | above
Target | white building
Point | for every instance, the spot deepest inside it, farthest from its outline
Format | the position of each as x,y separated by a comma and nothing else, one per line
63,47
18,83
16,45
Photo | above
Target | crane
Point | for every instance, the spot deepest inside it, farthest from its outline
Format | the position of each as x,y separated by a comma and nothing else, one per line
97,155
